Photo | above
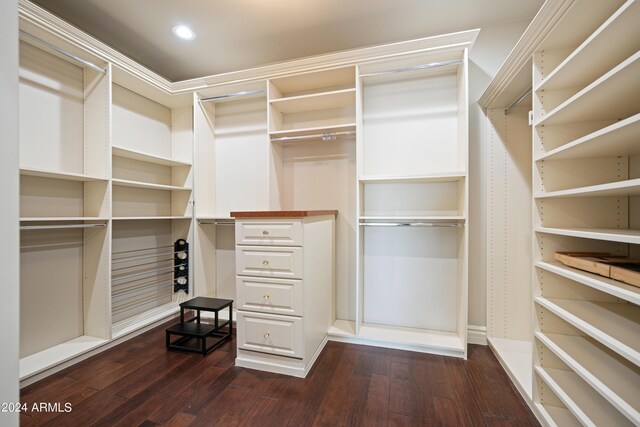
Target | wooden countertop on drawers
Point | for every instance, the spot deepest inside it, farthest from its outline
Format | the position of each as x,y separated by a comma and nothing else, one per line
282,214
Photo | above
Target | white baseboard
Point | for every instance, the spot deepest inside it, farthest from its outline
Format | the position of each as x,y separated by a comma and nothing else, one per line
477,335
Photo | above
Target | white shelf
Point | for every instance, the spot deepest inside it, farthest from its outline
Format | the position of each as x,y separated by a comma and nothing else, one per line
62,218
149,317
612,97
557,417
138,184
315,101
613,380
629,187
612,287
58,354
67,176
144,157
138,218
443,177
613,324
342,328
623,235
432,218
587,405
313,130
396,335
618,139
615,40
516,357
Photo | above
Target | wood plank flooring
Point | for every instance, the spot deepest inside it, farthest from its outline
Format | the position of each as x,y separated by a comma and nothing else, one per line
139,383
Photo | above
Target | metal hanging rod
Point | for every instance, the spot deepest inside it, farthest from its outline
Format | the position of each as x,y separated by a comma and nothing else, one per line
116,289
135,304
232,95
143,273
60,226
415,68
135,257
326,136
122,292
217,221
141,265
518,101
84,62
412,224
143,250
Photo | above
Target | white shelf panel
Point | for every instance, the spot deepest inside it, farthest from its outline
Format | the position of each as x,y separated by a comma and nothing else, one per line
138,218
67,176
618,139
313,130
443,177
613,96
624,235
613,324
411,336
629,187
557,417
316,101
138,184
516,357
431,218
580,399
343,328
616,38
612,287
613,380
144,157
132,324
58,354
62,218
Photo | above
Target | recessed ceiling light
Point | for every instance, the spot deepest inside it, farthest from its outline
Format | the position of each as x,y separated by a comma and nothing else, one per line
183,32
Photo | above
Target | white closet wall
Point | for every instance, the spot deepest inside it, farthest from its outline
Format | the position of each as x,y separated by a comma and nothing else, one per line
509,310
9,164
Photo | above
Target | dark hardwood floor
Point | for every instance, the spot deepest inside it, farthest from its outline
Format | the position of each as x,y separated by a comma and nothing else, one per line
139,383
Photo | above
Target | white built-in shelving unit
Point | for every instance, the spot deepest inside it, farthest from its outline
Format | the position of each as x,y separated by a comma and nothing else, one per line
105,170
584,158
337,138
586,188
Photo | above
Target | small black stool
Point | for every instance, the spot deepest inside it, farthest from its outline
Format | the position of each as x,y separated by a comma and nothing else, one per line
201,331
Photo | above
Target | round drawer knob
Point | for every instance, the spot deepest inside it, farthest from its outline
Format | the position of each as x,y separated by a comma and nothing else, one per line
266,297
267,335
265,262
265,233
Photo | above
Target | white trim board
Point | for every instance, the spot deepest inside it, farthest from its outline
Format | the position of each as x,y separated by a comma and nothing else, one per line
45,25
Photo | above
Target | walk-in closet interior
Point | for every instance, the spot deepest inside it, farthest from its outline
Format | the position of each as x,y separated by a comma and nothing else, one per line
404,195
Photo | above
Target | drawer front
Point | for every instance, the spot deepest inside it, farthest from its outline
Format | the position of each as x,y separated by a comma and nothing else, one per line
269,261
269,233
267,333
276,296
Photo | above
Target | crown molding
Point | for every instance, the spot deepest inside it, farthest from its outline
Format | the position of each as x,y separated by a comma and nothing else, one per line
513,72
32,15
33,18
453,41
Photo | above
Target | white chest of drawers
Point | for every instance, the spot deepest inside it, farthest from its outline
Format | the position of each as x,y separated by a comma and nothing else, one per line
284,286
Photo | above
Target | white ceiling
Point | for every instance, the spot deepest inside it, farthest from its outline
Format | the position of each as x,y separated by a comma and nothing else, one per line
238,34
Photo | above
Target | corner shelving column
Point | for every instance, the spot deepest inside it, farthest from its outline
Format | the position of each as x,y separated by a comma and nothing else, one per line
586,197
152,179
64,206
